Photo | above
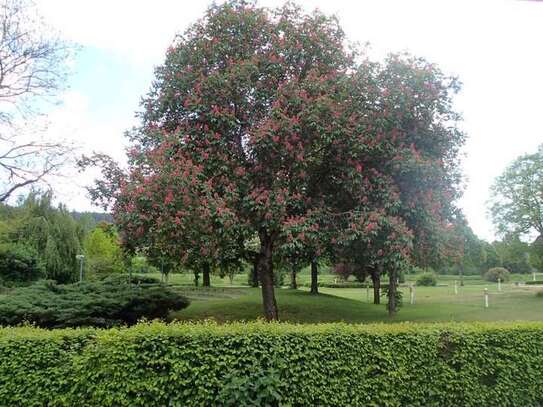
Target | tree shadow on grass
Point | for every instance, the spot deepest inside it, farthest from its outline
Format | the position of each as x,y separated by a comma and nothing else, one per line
294,306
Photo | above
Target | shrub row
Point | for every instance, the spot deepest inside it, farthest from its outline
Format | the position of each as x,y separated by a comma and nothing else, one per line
274,364
351,284
348,284
102,303
537,282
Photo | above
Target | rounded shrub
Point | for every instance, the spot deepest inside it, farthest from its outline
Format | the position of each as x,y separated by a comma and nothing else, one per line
427,280
496,273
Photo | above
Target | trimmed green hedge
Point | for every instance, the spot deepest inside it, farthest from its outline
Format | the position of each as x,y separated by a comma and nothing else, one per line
537,282
274,364
348,284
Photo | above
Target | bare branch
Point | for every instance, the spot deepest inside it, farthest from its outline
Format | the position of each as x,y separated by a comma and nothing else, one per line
32,69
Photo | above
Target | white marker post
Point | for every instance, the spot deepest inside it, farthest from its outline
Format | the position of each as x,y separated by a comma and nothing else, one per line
455,288
499,284
533,276
412,293
81,259
486,297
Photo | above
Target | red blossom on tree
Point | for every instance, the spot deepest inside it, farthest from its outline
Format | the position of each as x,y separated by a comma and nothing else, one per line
261,124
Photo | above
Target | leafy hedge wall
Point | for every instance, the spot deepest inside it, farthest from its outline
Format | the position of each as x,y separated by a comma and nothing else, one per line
274,364
537,282
348,284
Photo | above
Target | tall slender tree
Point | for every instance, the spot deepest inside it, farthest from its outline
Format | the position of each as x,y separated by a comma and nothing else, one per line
53,234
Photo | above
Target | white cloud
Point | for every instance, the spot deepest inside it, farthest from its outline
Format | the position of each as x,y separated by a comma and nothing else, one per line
72,122
139,30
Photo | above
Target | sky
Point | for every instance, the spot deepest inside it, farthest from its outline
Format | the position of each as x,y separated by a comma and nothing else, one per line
494,47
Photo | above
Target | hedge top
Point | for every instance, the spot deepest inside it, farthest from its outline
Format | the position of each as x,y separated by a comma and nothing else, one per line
210,327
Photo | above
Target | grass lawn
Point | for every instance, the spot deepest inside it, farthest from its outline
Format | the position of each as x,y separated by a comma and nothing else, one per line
432,304
239,280
304,278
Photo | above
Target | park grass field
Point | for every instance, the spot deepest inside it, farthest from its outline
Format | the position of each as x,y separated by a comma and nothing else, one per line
304,278
432,304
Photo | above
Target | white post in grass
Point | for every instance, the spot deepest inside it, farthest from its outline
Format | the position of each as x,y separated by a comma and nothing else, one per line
412,293
499,284
486,297
455,288
81,259
533,276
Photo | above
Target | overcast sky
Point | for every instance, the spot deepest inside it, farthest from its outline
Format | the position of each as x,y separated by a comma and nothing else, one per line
495,47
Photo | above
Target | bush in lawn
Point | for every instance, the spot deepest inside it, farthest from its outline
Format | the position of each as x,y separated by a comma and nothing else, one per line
259,363
496,273
102,304
427,280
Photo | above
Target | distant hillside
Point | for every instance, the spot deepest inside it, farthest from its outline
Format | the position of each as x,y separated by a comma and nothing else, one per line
96,216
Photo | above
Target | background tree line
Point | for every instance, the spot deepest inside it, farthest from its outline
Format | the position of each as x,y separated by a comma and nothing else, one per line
41,240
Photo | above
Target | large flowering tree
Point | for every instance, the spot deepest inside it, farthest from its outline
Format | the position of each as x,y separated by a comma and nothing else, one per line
261,124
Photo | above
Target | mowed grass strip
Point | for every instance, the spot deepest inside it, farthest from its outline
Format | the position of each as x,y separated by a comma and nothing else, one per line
432,304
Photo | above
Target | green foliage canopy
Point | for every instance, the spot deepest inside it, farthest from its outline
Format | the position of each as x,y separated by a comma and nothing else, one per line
103,253
517,196
51,233
497,273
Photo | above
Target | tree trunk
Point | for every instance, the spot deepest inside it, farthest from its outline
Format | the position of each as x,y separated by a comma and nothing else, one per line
254,274
461,271
293,283
196,277
376,281
265,275
314,276
392,288
206,270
